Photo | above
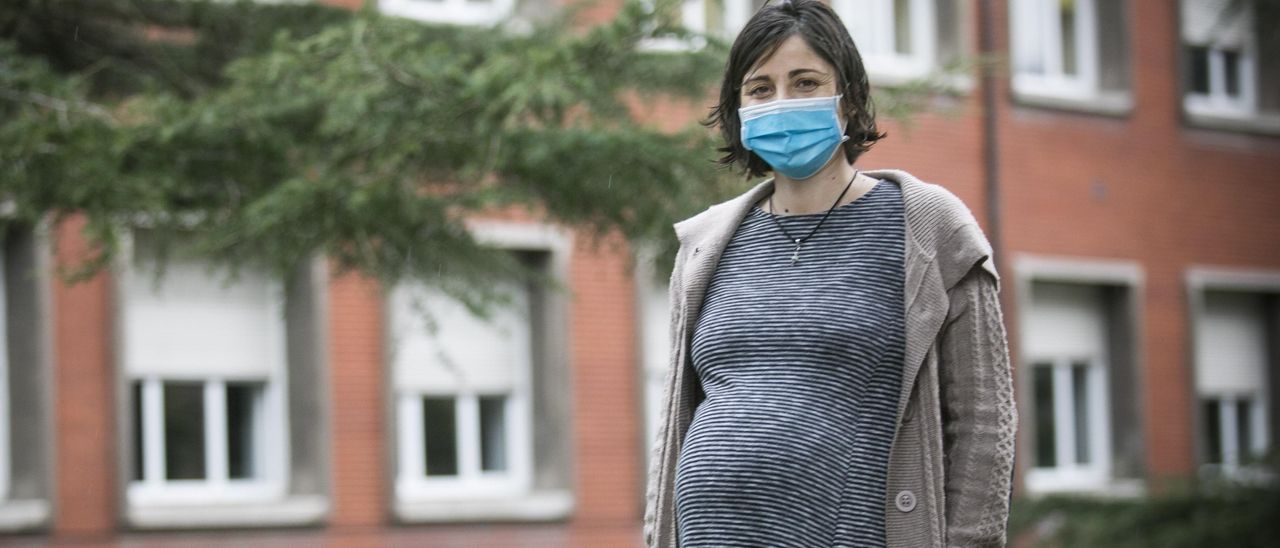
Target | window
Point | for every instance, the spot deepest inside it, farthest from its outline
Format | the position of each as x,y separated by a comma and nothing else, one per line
204,361
463,12
1231,376
1067,350
1226,74
1069,417
463,395
26,430
896,38
1070,53
482,411
205,431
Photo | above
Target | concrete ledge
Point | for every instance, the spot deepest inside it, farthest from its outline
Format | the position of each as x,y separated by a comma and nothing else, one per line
1262,123
291,511
538,506
23,515
1105,103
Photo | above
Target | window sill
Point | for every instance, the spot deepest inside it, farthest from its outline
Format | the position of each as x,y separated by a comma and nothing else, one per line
291,511
1112,103
939,82
23,515
538,506
1115,488
1267,123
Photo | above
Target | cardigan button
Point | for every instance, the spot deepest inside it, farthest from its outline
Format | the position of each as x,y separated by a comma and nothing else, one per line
906,501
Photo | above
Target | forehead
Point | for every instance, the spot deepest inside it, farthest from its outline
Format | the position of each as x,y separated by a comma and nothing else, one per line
792,54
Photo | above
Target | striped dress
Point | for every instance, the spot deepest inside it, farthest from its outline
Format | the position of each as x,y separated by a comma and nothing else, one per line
801,366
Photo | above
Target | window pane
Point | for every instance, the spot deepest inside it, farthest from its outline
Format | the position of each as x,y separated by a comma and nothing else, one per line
1028,45
1199,60
493,433
242,410
1067,18
1046,450
440,425
184,430
1244,428
136,408
1080,406
1231,68
902,26
1213,432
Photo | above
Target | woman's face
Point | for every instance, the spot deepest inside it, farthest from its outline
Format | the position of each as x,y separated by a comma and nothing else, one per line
794,71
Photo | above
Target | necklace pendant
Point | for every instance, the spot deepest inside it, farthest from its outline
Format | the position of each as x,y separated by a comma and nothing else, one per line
795,257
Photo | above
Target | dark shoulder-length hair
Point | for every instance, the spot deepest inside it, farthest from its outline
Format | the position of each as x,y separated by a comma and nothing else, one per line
823,31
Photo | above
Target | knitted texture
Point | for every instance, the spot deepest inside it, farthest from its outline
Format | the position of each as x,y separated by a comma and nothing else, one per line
978,431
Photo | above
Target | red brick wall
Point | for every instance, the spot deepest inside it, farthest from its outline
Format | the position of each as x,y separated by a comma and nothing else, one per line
358,403
606,425
84,403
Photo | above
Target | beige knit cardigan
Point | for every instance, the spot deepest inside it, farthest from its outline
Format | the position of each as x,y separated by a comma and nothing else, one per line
951,462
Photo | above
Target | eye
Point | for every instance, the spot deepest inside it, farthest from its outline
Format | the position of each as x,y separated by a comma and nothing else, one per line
806,84
758,90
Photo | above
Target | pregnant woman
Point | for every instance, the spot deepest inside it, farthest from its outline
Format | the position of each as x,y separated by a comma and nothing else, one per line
840,374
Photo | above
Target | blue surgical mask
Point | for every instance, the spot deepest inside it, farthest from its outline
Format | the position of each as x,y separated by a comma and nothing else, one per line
795,136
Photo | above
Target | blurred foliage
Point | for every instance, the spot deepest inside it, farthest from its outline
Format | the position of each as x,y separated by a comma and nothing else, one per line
1203,513
364,137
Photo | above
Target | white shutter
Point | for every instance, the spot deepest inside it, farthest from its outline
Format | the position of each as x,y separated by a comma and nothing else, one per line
1231,344
1066,320
192,324
1201,25
466,352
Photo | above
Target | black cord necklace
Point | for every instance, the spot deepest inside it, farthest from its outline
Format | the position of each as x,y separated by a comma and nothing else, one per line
795,258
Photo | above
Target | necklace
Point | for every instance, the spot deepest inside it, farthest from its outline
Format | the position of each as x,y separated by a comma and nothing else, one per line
795,257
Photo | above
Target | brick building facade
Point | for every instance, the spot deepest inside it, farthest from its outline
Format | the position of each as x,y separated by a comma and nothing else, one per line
1121,163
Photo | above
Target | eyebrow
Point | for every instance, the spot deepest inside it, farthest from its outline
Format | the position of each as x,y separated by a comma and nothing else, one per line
791,74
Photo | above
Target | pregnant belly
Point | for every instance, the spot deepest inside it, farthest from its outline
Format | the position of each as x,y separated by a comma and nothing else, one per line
746,449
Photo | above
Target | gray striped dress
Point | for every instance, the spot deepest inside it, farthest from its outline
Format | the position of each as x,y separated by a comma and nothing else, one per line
801,366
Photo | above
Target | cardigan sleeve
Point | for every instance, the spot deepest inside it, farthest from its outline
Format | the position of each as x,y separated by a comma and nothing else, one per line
979,418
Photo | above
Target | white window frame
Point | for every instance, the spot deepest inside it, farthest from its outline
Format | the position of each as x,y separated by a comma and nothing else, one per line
422,498
471,481
217,487
1216,102
459,12
1067,474
1229,430
882,62
1048,31
272,439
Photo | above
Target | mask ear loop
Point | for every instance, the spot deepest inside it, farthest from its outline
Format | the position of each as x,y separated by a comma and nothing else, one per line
844,135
